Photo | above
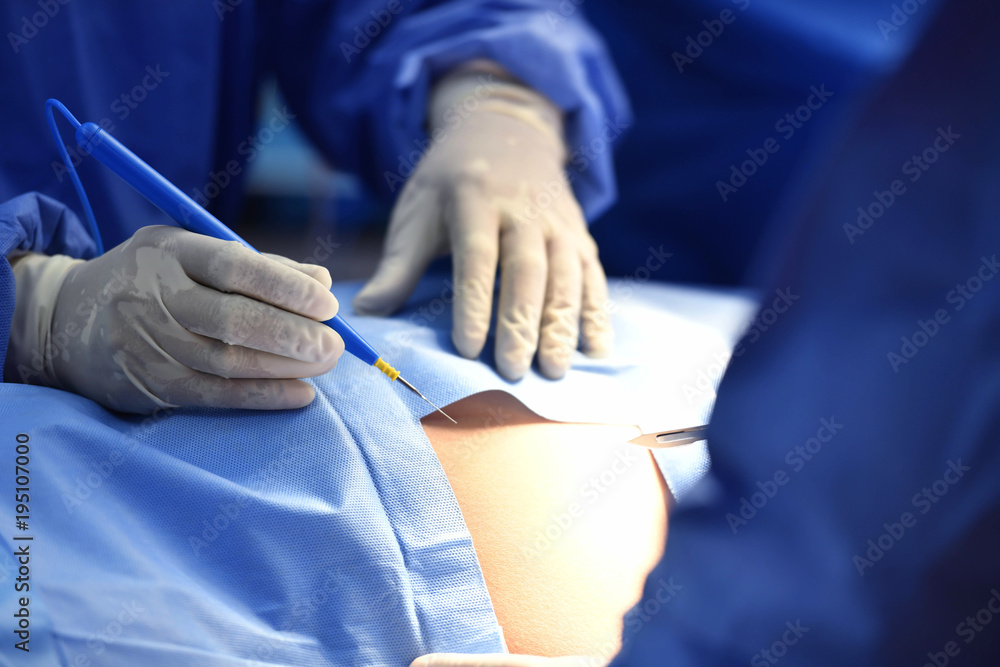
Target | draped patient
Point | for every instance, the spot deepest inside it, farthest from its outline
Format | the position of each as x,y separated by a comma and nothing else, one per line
567,520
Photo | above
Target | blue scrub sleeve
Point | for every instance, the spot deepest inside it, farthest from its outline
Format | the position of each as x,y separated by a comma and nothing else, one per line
34,223
361,86
852,513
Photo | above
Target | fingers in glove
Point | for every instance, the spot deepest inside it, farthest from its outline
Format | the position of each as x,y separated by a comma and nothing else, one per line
561,317
239,320
523,275
596,334
230,267
412,242
474,227
318,273
204,390
214,357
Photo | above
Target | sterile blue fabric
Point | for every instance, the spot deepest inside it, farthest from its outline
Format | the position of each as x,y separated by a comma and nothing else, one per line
667,340
323,536
672,346
317,537
176,82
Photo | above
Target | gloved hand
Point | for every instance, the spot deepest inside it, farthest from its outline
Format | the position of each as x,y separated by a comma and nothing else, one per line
171,318
493,186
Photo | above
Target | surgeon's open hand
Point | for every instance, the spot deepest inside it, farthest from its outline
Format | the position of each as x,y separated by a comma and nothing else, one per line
492,189
172,318
503,660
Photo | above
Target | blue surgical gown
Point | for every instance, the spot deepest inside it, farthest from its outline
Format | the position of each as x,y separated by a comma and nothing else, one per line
853,513
699,108
177,83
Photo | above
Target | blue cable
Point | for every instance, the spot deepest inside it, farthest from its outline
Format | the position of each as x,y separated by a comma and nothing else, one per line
49,104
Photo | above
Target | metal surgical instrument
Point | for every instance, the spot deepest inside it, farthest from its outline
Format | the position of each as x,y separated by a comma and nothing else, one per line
681,436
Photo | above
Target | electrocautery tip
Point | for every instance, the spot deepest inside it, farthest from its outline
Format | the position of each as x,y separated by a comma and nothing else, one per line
414,390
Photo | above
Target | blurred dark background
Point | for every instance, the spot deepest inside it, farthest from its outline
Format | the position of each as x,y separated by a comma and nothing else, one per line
298,206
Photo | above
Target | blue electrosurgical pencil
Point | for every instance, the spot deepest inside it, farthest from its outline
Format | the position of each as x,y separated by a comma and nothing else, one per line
192,217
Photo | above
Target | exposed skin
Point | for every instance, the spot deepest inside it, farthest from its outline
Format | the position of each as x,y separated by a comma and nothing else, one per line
564,593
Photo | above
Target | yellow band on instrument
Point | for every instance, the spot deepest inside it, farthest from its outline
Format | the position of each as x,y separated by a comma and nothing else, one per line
389,371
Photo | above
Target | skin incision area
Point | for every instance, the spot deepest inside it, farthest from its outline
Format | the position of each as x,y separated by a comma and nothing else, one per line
567,520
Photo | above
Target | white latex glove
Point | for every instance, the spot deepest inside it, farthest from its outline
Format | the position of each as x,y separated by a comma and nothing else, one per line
492,186
171,318
503,660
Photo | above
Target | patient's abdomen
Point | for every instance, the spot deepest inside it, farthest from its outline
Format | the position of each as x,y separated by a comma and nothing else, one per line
566,519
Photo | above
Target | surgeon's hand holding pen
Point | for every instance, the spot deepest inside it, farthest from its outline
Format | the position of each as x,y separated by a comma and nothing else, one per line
493,190
172,318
